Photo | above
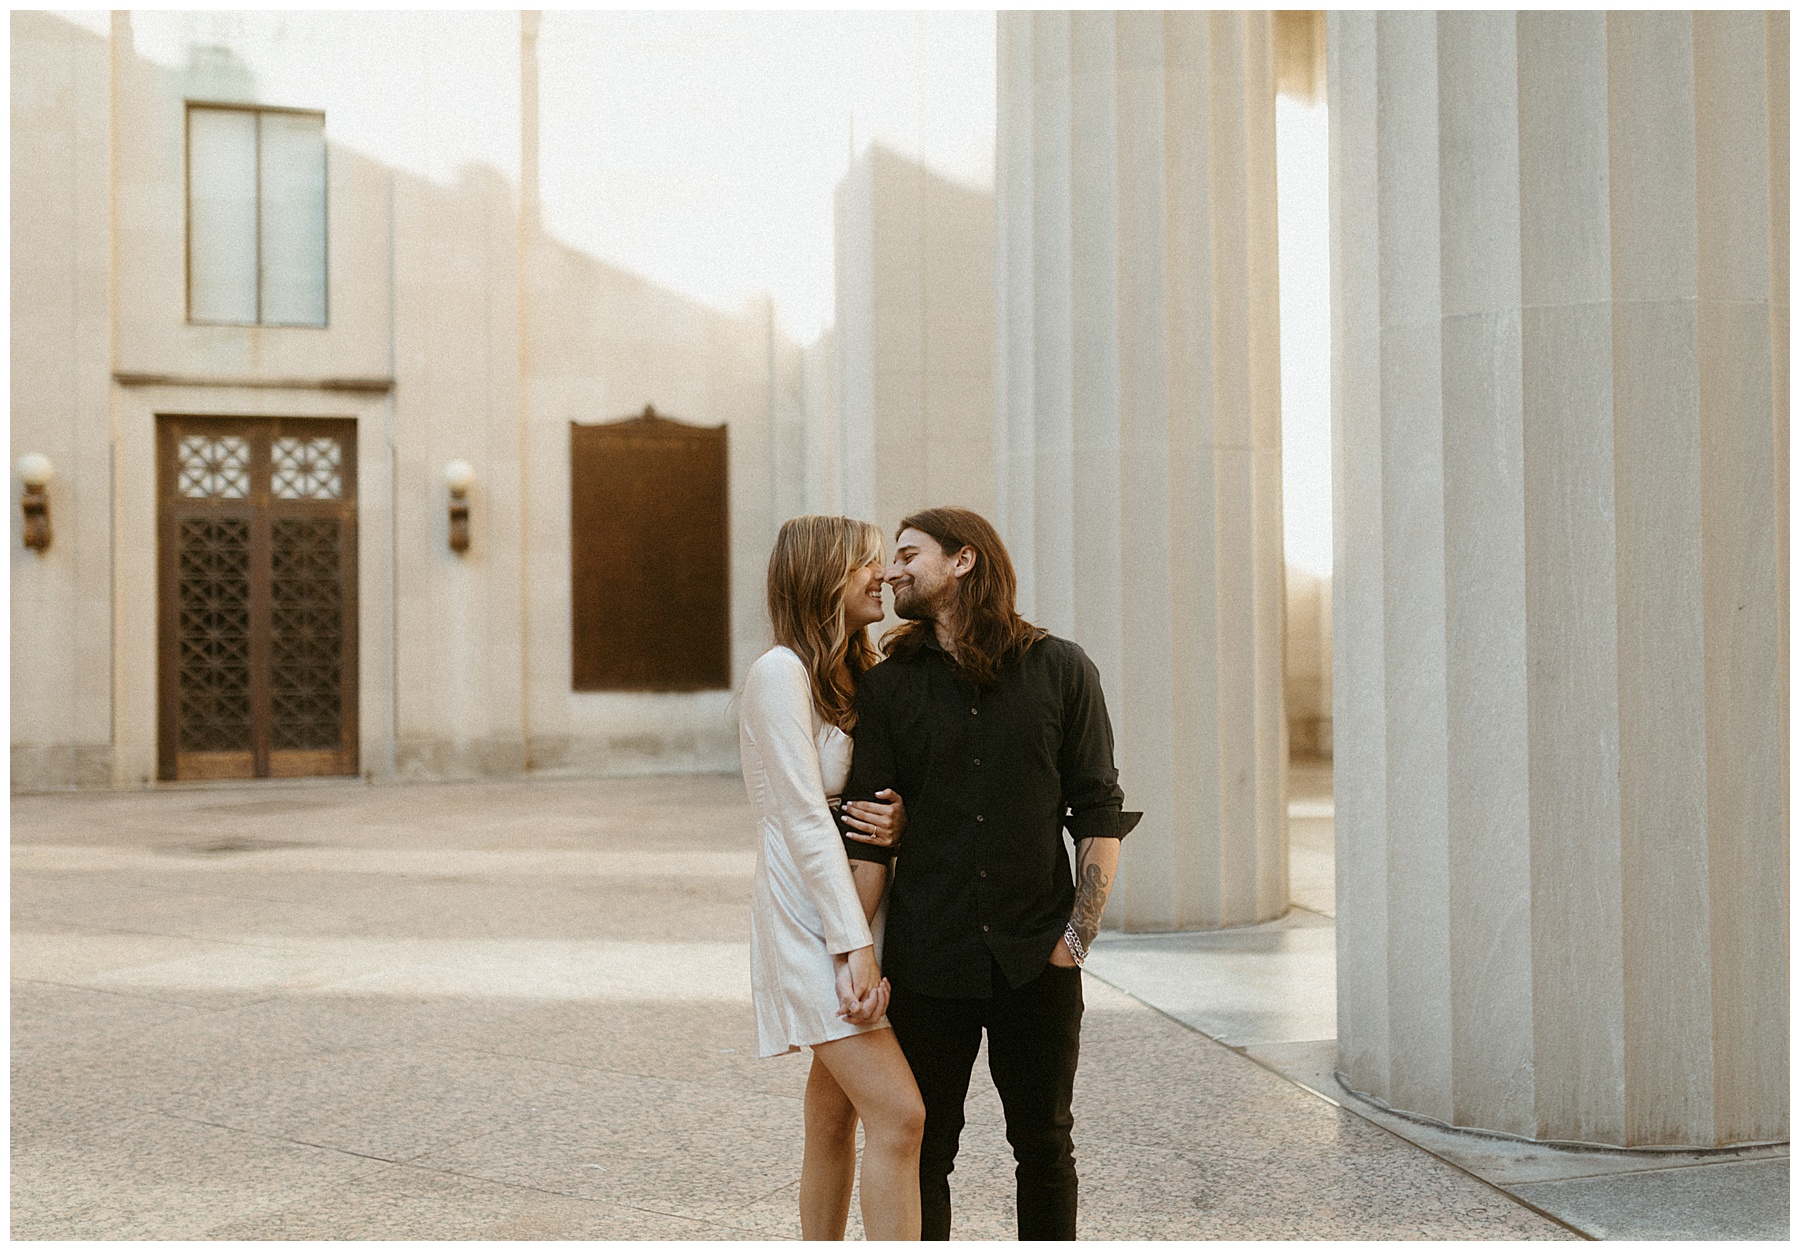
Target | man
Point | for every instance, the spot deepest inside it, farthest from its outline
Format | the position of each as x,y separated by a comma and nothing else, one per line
996,733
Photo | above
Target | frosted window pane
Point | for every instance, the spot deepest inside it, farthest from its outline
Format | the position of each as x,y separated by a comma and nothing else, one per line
308,469
214,468
293,219
221,215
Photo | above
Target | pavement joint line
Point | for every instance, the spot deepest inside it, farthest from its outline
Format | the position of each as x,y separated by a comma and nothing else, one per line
268,1137
789,1185
1662,1168
1240,1051
698,1220
126,993
412,1161
139,933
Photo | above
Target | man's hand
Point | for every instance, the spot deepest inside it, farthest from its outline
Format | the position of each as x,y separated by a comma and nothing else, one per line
1060,955
879,823
862,991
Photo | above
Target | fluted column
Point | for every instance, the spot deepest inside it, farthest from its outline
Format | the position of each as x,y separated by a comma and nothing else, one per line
1560,407
1138,437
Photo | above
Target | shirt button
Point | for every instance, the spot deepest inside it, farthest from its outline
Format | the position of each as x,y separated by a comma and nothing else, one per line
978,761
979,817
974,712
984,873
984,929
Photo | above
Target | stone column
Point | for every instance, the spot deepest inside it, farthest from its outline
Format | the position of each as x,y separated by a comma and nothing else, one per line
1560,410
1138,436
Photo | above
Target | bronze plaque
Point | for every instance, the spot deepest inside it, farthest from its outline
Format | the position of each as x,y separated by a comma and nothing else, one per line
651,564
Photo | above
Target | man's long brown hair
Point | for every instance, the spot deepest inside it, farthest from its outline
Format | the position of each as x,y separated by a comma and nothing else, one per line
990,632
809,571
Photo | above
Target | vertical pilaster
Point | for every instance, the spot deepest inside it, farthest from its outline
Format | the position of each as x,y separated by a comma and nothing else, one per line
1560,736
914,340
530,227
1137,423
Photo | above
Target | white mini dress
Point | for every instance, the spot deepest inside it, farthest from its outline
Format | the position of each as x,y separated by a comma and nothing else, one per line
803,904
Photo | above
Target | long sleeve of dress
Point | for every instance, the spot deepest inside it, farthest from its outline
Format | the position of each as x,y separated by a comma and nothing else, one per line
777,721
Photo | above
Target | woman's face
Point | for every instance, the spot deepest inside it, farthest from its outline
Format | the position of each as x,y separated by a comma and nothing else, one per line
862,596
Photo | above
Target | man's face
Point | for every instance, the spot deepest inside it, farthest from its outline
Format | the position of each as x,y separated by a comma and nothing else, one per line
924,576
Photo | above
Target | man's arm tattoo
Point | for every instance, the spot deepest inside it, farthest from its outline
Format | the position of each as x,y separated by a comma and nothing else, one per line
1091,888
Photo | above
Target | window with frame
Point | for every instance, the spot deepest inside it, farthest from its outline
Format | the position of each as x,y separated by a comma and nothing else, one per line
256,216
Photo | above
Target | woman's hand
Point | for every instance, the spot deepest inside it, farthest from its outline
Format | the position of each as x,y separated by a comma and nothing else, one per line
878,823
862,991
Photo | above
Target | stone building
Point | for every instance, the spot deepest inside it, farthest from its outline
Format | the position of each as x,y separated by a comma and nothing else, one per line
432,321
1557,619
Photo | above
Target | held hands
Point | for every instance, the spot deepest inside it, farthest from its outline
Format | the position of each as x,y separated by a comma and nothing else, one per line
862,990
879,823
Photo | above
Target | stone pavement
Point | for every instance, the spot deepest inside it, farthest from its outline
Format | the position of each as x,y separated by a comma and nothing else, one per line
521,1010
1270,993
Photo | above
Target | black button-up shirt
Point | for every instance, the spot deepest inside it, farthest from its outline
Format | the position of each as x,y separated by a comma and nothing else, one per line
990,778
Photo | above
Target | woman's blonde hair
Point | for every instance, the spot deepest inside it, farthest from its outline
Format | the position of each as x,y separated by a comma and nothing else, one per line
809,570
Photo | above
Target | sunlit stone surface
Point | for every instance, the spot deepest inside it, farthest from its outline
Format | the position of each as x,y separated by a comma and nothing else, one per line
1560,285
521,1010
1139,452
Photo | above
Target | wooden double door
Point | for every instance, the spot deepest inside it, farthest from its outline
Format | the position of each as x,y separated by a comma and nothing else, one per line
256,584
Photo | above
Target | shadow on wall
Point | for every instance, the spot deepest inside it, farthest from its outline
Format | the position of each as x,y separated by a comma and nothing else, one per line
1308,665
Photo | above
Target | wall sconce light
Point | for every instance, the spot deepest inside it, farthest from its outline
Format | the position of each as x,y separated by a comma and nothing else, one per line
35,470
460,475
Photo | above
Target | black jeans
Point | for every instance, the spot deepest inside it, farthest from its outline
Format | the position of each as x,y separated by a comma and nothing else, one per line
1034,1041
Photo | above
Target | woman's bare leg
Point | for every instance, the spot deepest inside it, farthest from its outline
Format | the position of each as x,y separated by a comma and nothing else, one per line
871,1071
828,1167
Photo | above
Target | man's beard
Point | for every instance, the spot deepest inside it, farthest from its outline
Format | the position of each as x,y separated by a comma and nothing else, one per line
910,605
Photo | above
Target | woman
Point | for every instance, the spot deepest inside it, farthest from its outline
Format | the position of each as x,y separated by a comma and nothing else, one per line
815,971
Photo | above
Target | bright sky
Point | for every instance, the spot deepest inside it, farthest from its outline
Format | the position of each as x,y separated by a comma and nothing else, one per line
1302,160
702,150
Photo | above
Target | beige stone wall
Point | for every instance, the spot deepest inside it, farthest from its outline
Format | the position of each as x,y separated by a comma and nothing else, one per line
459,646
604,343
1307,676
915,341
61,350
456,330
154,338
101,332
819,400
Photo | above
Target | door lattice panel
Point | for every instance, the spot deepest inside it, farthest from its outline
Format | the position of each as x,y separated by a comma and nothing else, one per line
214,638
306,635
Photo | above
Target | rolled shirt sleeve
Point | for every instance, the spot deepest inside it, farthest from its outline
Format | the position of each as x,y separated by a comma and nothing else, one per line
778,720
